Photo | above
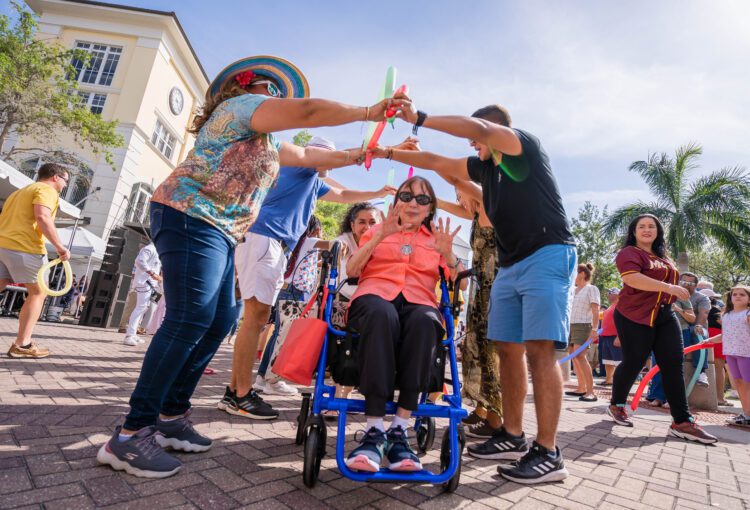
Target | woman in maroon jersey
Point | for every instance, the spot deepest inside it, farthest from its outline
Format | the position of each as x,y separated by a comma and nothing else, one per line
645,322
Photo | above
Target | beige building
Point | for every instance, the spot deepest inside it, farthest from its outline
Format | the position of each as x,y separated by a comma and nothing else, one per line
144,73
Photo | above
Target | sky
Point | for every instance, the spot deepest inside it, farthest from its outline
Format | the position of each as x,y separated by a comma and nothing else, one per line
601,83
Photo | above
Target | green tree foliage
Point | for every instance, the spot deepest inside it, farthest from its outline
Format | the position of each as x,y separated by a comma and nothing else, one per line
714,208
39,102
596,247
715,265
330,215
301,138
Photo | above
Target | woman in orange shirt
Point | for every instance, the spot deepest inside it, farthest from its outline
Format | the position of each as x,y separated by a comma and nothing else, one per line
394,311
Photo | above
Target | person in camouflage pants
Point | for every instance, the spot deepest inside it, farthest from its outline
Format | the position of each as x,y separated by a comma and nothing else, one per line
481,375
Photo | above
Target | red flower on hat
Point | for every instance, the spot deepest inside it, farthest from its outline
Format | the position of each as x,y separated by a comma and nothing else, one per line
245,78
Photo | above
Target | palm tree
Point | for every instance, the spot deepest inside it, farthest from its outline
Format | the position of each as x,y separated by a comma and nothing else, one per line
714,208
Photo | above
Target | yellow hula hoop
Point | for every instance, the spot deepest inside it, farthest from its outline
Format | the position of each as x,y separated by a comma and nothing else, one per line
42,281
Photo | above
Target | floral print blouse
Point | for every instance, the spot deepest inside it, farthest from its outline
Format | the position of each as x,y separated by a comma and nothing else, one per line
227,174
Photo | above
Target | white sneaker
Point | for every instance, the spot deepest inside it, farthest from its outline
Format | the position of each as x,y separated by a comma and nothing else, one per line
703,379
279,388
131,340
734,395
260,384
141,340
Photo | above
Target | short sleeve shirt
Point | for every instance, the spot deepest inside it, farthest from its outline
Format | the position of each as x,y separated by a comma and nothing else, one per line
19,230
227,174
700,303
582,301
522,200
735,334
289,205
390,272
686,306
608,322
642,306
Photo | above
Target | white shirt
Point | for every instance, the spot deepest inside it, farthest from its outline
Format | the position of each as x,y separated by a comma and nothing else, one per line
347,239
146,261
582,301
735,333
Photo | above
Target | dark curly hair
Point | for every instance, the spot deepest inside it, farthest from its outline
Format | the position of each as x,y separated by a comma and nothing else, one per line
351,215
660,243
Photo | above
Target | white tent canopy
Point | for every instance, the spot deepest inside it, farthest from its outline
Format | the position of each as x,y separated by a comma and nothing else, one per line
85,243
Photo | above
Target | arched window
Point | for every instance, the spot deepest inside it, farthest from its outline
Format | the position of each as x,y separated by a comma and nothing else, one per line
140,195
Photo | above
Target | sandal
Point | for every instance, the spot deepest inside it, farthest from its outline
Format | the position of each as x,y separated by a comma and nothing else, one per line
575,393
584,398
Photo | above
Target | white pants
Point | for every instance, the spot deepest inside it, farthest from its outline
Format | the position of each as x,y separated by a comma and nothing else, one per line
141,305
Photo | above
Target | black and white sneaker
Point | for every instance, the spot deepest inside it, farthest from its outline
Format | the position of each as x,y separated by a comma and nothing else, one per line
537,466
253,407
481,430
501,446
228,400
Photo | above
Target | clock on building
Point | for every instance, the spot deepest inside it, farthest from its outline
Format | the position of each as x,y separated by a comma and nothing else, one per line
176,101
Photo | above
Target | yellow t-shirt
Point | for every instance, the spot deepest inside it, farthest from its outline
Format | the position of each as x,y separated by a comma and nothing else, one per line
18,228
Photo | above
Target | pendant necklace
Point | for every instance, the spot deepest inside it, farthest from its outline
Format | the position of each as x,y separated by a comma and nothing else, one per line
406,249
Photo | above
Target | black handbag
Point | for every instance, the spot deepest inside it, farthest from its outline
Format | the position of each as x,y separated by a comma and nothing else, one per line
343,360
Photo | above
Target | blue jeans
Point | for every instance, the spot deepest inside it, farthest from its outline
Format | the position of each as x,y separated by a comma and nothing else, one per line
691,339
198,270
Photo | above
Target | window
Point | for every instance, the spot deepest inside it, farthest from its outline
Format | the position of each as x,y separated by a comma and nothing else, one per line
92,101
101,66
163,140
140,196
77,188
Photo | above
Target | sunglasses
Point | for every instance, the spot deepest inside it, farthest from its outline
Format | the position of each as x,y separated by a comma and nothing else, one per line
689,284
271,87
406,196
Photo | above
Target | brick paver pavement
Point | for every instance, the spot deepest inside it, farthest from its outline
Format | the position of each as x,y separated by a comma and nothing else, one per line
56,412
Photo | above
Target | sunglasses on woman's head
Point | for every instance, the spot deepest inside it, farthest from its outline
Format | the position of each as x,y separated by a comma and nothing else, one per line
407,196
273,90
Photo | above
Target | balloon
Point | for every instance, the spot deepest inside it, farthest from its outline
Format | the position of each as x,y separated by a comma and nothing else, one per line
390,113
576,352
42,281
651,373
387,91
696,372
411,172
389,181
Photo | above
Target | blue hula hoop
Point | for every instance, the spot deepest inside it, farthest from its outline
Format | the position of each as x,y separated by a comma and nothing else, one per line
575,353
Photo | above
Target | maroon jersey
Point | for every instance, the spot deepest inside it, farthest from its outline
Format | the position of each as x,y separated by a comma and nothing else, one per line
642,306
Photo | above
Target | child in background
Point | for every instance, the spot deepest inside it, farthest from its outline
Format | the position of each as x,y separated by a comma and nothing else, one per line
735,337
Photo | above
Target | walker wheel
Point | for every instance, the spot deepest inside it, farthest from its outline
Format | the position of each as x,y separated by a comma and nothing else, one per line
445,458
304,411
426,434
315,449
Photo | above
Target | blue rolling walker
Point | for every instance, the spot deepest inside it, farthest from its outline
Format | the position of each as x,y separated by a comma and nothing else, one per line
312,428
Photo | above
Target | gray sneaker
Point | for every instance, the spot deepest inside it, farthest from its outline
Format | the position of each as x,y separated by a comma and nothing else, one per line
140,455
179,434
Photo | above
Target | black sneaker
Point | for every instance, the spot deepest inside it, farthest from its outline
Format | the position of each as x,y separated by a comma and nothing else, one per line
179,434
228,400
536,467
481,430
472,419
400,455
501,446
368,455
253,407
140,455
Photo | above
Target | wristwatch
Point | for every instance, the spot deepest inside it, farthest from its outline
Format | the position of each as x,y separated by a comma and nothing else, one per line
421,117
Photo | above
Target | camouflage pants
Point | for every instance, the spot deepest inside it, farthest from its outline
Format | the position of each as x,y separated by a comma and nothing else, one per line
480,363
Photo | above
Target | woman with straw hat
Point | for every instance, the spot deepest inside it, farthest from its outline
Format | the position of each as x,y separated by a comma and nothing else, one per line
198,214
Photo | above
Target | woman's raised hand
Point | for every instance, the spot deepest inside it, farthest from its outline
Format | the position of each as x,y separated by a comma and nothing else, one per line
391,222
405,108
444,237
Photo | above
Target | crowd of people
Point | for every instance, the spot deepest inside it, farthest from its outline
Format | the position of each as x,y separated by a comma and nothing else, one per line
237,215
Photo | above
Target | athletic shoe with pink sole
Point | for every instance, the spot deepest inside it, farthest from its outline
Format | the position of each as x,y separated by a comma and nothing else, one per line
369,454
398,452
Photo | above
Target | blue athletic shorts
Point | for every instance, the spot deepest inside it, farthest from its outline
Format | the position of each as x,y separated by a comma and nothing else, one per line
531,299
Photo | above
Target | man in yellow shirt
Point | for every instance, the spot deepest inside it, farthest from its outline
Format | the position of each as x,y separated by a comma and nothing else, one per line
28,216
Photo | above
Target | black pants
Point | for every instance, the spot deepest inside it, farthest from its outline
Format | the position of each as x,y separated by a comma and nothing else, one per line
665,340
398,342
